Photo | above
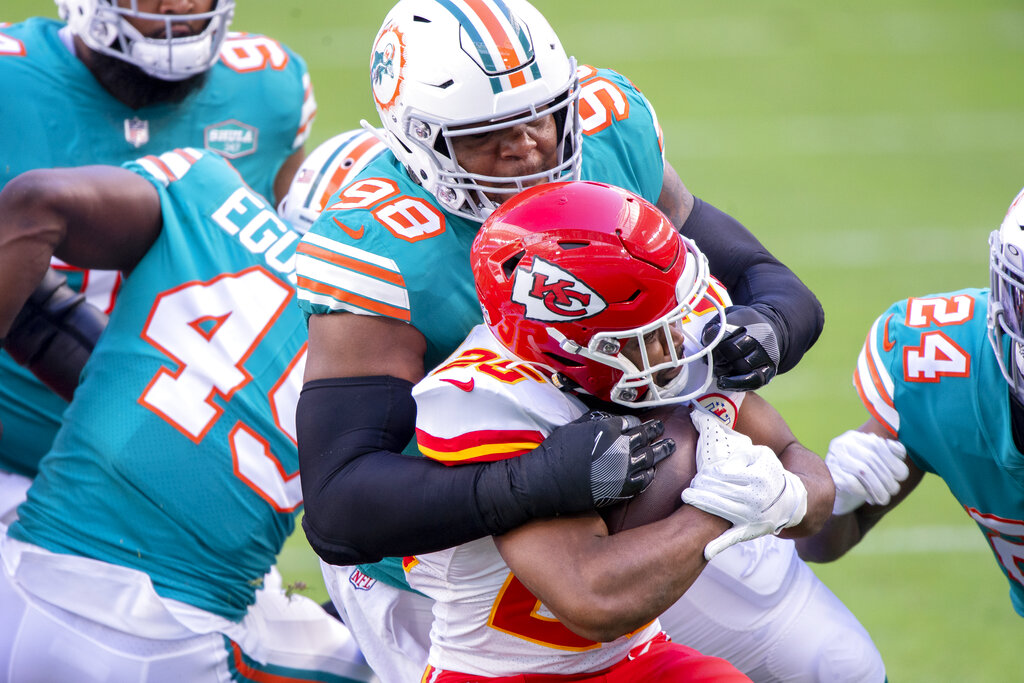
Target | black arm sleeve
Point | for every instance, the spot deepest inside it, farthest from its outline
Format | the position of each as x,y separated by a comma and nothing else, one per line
54,334
364,500
756,278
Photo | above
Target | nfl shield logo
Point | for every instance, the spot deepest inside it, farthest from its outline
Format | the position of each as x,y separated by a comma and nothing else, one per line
136,131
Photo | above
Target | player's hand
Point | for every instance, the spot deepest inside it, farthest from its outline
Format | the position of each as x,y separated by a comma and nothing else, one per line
743,484
624,451
747,357
866,469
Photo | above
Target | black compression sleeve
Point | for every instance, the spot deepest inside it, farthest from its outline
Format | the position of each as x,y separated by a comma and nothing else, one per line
54,334
756,278
365,500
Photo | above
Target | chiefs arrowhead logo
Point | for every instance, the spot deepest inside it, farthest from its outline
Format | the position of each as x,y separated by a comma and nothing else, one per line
551,294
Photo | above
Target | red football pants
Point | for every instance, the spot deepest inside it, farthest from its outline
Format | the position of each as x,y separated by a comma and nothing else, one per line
658,659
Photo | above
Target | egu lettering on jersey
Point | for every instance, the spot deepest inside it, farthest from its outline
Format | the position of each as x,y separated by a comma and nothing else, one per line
245,216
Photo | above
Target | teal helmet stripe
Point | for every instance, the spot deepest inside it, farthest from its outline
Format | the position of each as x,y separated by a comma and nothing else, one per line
473,33
478,33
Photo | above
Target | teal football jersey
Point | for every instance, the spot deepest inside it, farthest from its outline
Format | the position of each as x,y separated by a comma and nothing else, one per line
255,109
928,374
177,456
385,246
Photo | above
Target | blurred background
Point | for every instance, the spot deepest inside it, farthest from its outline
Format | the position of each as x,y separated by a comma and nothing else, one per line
872,146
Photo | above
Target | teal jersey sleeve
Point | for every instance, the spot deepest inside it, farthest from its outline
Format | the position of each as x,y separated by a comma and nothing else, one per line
255,109
928,373
177,457
622,140
383,246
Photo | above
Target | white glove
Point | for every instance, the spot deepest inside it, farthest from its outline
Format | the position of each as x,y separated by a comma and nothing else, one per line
741,483
866,469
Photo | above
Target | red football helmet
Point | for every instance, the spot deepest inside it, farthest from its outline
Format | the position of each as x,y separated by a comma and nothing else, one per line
584,279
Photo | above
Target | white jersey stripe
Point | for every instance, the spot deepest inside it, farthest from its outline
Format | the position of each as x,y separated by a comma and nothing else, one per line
876,359
178,164
869,391
331,303
352,281
346,250
155,171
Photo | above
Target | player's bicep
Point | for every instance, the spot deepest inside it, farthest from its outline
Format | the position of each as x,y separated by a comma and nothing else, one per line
106,217
353,345
283,179
675,201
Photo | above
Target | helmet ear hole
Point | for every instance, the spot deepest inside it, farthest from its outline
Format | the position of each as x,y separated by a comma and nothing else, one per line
510,264
564,360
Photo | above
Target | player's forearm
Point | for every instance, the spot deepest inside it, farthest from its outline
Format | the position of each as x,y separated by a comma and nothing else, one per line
836,537
821,491
364,500
754,277
29,232
602,587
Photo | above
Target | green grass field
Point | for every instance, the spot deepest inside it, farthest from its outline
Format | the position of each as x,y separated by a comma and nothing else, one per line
871,146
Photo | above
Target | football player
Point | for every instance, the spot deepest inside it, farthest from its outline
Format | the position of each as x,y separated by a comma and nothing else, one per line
478,100
142,550
118,80
942,379
591,296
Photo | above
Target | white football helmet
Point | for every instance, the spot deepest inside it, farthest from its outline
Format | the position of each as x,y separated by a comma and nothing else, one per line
103,26
1006,298
441,69
327,168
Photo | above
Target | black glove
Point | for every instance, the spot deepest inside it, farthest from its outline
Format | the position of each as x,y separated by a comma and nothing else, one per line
747,357
624,453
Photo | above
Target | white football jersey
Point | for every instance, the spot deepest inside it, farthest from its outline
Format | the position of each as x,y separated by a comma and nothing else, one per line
484,404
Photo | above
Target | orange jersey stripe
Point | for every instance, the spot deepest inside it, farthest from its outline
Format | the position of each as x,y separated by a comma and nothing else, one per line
875,379
352,264
870,407
354,299
158,162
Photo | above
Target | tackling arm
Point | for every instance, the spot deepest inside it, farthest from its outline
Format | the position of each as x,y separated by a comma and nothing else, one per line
364,500
756,280
91,216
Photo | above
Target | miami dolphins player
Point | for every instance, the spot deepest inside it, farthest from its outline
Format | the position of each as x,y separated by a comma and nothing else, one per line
615,318
141,549
117,81
478,100
942,379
